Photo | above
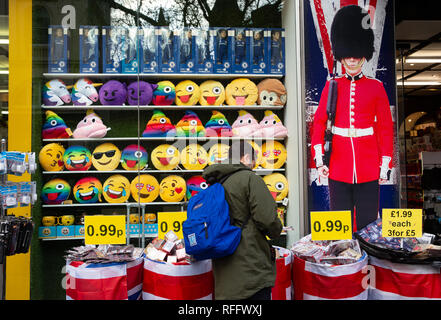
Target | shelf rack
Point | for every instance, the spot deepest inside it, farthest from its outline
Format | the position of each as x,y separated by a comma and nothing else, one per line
92,172
162,139
160,75
168,107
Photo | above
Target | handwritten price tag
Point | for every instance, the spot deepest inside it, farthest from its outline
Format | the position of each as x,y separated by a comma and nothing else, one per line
331,225
402,223
171,221
102,229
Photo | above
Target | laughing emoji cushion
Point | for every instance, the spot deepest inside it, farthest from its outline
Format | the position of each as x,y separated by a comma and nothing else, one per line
106,157
51,157
278,185
88,190
172,189
133,158
55,191
218,153
116,189
165,157
273,155
190,126
241,92
218,126
164,94
77,158
194,157
144,188
212,93
159,126
187,93
195,185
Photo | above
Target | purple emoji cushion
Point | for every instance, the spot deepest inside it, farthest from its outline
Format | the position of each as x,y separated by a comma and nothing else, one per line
113,93
142,91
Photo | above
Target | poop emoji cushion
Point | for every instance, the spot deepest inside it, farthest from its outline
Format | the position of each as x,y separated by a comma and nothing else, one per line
190,126
159,126
187,93
195,185
54,127
133,158
90,127
212,93
165,94
55,93
51,157
273,155
84,92
194,157
55,191
88,190
144,188
218,126
245,125
271,127
241,92
116,189
172,189
165,157
272,92
277,185
140,93
77,158
218,153
113,93
106,157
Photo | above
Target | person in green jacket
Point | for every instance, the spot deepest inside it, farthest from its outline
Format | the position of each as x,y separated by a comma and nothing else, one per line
250,272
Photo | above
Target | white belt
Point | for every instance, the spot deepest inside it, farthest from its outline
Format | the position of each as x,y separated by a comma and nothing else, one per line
353,133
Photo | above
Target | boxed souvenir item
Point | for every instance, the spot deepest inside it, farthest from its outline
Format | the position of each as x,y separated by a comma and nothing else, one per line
223,50
89,49
47,232
277,51
167,56
112,50
130,50
241,50
260,38
148,56
186,50
204,43
58,49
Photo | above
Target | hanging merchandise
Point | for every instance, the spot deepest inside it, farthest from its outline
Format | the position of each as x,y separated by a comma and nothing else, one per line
272,92
113,93
51,157
187,93
218,153
15,235
190,126
274,155
144,188
241,92
77,158
196,184
54,127
282,289
218,126
164,94
90,127
134,157
277,185
106,157
55,93
271,127
88,190
140,93
245,125
165,157
116,189
159,126
172,188
194,157
212,93
84,92
55,191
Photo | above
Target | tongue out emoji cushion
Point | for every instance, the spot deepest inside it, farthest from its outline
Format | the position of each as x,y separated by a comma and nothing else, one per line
165,94
116,189
88,190
241,92
165,157
55,191
172,188
90,127
54,127
187,93
77,158
245,125
159,126
133,158
140,92
113,93
194,157
190,126
277,185
218,126
212,93
271,127
195,185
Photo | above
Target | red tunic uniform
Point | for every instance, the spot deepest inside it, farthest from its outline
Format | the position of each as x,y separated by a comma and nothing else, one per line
362,103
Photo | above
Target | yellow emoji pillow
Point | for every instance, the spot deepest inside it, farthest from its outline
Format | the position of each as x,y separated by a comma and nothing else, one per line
165,157
172,189
212,93
187,93
218,153
144,188
116,189
51,157
273,155
106,157
241,92
278,185
194,157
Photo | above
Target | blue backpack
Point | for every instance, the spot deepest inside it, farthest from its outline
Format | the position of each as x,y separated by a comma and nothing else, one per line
208,232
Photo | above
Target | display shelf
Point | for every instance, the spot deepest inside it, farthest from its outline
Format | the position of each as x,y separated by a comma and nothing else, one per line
92,172
161,75
169,107
161,139
132,236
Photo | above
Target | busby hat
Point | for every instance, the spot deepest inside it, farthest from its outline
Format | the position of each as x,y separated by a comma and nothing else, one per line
351,34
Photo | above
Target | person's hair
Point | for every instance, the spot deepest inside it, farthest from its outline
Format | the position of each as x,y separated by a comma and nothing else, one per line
239,149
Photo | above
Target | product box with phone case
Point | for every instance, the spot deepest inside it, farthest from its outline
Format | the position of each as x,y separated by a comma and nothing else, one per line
112,49
167,57
58,61
89,49
241,50
148,49
223,50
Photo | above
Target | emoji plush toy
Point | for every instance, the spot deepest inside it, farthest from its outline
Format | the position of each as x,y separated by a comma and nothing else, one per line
55,191
218,153
187,93
195,185
106,157
218,126
212,93
258,151
277,185
272,92
241,92
165,157
88,190
90,127
144,188
54,127
55,93
273,155
271,127
190,126
77,158
116,189
159,126
172,189
140,92
84,92
165,94
113,93
51,157
245,125
134,159
194,157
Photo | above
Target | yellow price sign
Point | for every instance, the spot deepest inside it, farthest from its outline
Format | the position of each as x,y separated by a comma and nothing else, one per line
402,223
103,229
331,225
171,221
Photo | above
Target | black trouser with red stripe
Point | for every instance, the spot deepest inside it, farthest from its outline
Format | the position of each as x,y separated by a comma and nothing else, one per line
363,198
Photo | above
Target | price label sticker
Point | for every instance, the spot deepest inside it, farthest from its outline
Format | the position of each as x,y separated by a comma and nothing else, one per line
402,223
171,221
103,229
331,225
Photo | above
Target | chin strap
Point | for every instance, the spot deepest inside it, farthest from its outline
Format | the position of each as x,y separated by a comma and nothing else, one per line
384,168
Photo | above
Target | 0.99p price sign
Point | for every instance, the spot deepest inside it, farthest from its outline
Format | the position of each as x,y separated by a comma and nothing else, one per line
331,225
102,229
171,221
402,223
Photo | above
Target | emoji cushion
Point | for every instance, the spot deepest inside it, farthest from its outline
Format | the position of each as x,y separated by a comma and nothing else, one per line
245,125
165,157
90,127
190,126
133,158
187,93
116,189
172,189
55,93
77,158
88,190
258,151
194,157
159,126
54,127
241,92
218,126
51,157
271,127
84,92
106,157
218,153
195,185
140,93
272,92
55,191
277,185
144,188
165,94
113,93
273,155
212,93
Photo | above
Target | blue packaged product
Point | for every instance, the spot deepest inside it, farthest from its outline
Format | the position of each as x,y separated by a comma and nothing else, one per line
277,51
112,49
223,50
89,49
259,50
130,49
58,49
148,44
241,50
186,49
204,42
167,57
